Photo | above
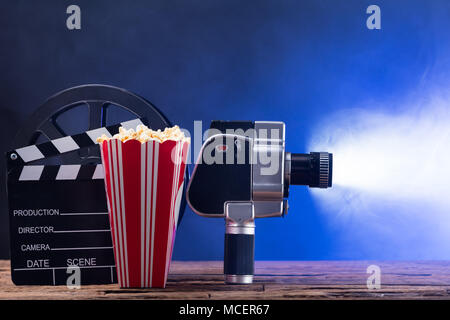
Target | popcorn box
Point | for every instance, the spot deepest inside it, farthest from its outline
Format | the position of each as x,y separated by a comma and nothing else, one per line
144,186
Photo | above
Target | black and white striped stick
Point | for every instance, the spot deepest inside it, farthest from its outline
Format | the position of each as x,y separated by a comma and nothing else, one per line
66,144
57,172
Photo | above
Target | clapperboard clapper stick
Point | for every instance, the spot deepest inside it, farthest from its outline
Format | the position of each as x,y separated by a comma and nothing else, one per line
58,214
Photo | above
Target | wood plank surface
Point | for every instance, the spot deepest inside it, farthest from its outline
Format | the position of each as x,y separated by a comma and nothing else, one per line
273,280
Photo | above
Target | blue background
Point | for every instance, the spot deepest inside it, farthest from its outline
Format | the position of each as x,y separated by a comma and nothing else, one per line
293,61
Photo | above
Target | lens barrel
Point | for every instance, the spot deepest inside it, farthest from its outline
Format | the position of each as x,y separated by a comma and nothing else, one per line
314,169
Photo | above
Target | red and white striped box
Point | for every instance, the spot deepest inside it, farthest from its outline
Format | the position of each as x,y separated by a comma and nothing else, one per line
144,186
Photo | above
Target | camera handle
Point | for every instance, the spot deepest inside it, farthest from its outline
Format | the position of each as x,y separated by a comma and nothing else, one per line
239,253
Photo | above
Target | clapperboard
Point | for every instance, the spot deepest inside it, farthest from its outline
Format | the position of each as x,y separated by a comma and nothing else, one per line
58,214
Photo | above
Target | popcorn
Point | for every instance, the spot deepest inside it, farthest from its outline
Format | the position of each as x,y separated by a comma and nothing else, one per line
144,134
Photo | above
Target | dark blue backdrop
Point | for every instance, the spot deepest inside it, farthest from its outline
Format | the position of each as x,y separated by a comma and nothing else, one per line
293,61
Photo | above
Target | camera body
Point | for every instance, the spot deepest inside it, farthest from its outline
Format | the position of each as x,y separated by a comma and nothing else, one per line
243,172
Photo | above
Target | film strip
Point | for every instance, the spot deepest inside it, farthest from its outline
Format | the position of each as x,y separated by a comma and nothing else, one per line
59,215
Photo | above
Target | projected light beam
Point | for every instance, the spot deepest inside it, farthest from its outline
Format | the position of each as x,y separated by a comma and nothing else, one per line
391,179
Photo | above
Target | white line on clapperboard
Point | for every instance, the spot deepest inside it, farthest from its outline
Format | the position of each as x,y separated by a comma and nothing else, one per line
71,231
87,267
86,248
82,213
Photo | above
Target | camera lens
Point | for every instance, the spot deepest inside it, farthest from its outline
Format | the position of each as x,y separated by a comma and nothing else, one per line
314,169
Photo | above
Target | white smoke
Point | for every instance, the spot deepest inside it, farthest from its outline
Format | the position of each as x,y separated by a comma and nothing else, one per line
391,180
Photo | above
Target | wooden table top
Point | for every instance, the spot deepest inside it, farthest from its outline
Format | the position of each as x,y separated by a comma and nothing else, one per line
273,280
